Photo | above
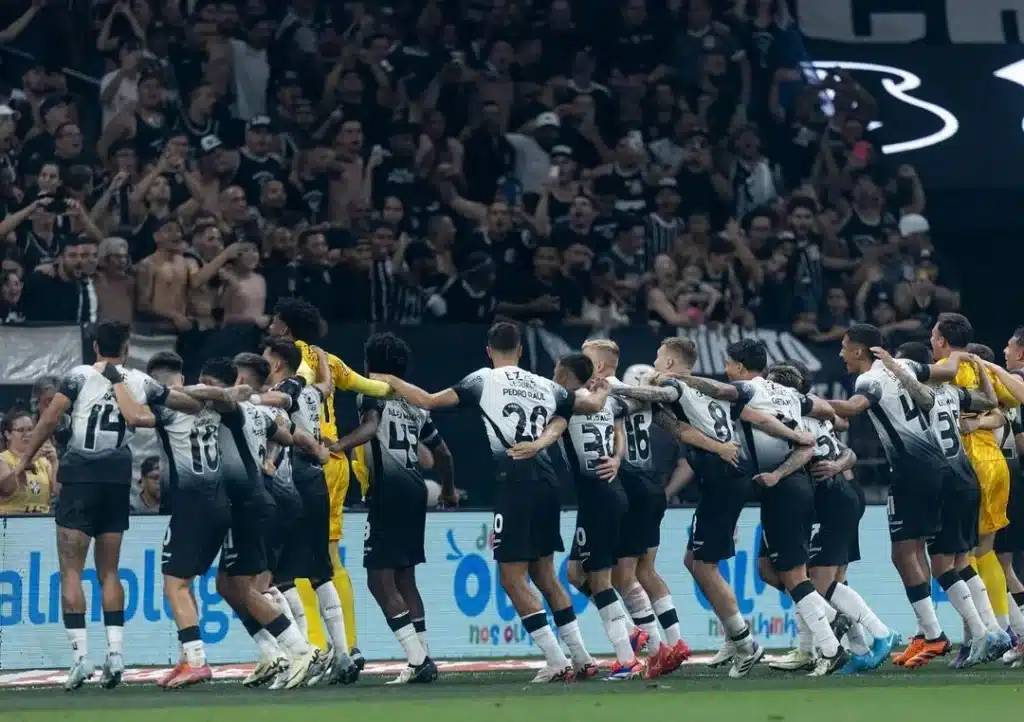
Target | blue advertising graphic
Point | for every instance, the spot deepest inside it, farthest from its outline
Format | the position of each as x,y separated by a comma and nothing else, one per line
468,614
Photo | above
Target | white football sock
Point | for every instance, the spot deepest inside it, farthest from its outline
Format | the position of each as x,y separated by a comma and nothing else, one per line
79,644
422,634
546,642
115,639
613,619
1016,617
813,607
927,623
195,653
830,612
298,612
639,607
268,645
855,636
664,608
804,638
962,600
570,634
407,636
292,642
334,620
852,604
979,595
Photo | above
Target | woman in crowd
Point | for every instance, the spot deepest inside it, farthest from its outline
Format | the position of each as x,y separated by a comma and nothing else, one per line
33,491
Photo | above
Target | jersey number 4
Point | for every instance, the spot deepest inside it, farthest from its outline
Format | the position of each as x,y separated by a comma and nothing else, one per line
104,418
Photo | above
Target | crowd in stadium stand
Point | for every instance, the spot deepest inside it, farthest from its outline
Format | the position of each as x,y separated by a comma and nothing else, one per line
662,162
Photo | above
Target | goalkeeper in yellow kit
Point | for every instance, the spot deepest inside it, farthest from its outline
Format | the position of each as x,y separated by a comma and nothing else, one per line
299,321
985,577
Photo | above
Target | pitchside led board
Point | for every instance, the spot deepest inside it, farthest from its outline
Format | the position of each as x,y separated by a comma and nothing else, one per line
467,613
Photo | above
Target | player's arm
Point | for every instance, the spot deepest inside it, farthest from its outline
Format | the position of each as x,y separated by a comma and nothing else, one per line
688,435
913,380
990,421
324,379
667,394
444,464
585,401
985,396
279,433
1011,384
369,420
49,418
773,427
415,395
134,413
818,408
845,408
529,449
224,400
821,470
182,402
710,387
273,399
345,379
308,443
797,460
681,477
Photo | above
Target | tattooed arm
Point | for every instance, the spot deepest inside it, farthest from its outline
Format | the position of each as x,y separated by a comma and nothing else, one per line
923,396
691,437
712,388
649,394
798,459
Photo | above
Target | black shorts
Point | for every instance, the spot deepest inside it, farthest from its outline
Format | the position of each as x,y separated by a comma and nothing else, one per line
838,508
527,512
787,514
961,505
855,542
599,524
915,502
244,553
287,516
724,490
1010,539
307,552
642,522
94,509
396,523
195,533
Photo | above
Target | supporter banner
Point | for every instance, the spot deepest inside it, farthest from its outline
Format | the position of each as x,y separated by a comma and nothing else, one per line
468,615
934,22
30,352
963,135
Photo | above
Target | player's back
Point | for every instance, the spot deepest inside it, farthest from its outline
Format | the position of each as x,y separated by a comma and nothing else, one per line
515,405
587,439
767,452
639,458
902,427
99,433
191,450
944,420
243,443
395,446
711,417
980,445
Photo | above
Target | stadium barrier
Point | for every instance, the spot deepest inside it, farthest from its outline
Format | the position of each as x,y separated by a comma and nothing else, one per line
468,615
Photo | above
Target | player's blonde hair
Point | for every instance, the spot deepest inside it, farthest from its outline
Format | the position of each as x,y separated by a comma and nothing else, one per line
683,347
605,345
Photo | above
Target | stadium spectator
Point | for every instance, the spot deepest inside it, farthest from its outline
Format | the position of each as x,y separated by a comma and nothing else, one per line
145,498
33,492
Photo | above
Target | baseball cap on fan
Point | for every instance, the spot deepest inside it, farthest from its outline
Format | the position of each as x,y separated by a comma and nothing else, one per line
209,143
260,122
913,223
548,120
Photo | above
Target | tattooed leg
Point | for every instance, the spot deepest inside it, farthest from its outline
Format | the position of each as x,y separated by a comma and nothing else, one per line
72,548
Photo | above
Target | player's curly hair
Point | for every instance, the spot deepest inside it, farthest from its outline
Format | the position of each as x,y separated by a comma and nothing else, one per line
983,351
301,317
221,369
751,353
786,375
386,353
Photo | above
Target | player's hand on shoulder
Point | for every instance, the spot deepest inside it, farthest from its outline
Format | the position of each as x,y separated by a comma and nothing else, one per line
882,355
111,374
768,479
803,438
269,468
968,425
240,392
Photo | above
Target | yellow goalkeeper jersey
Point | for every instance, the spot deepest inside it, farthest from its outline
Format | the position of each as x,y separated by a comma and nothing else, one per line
981,445
345,379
